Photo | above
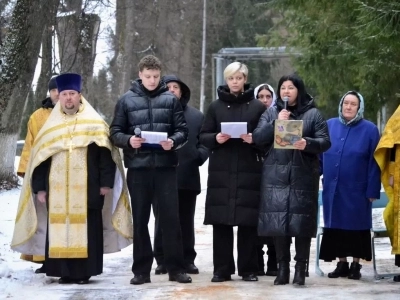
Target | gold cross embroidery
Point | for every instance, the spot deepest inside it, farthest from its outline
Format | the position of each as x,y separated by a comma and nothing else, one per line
71,146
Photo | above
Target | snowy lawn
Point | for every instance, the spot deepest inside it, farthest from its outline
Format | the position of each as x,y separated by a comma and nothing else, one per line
18,281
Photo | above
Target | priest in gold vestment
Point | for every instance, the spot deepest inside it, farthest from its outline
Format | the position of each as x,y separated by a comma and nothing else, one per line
387,155
75,171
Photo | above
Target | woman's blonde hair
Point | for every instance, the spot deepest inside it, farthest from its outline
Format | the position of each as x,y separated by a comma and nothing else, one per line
235,67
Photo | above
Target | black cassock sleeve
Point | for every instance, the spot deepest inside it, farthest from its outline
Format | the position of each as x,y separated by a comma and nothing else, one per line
106,168
40,176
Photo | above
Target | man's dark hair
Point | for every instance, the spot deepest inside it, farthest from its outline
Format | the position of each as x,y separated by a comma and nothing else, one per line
149,62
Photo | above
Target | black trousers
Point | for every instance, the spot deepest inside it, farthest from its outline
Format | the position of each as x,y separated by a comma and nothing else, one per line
187,207
224,263
157,187
282,246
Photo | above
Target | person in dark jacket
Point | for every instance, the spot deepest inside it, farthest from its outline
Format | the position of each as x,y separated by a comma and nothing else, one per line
290,181
266,94
351,182
234,176
190,157
151,175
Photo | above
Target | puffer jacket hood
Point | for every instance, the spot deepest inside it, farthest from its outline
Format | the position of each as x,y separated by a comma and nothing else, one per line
225,95
47,103
307,103
185,98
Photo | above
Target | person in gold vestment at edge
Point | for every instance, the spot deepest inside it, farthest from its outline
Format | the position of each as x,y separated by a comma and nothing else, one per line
35,123
72,169
387,155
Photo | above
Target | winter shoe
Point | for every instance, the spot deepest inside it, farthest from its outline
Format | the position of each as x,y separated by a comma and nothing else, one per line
64,280
354,272
221,278
161,269
300,273
140,279
342,270
191,269
41,270
180,277
250,277
283,274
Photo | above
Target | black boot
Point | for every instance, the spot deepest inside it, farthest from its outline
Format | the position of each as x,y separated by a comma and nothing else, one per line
250,277
342,270
42,269
161,269
180,277
354,272
191,269
283,273
140,279
300,273
221,278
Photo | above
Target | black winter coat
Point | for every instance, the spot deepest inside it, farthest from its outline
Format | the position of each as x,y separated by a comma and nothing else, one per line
234,171
158,110
290,179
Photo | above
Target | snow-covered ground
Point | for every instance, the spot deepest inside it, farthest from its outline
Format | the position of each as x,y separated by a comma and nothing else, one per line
18,281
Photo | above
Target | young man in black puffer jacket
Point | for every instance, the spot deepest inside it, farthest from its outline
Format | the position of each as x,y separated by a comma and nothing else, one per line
151,175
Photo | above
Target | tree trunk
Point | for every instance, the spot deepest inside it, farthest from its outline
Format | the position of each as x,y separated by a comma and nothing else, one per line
46,70
168,29
19,55
123,65
77,38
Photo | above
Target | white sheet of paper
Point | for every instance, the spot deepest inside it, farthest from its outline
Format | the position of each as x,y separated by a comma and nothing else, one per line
234,129
154,137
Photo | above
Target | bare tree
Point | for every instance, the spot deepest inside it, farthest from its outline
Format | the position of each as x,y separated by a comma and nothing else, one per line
19,55
168,29
77,36
47,68
123,64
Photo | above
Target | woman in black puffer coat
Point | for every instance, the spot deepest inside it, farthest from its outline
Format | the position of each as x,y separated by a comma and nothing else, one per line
290,179
234,176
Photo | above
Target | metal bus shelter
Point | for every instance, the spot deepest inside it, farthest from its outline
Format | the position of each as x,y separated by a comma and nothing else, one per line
227,55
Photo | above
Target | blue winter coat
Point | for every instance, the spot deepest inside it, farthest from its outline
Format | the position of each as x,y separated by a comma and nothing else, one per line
350,175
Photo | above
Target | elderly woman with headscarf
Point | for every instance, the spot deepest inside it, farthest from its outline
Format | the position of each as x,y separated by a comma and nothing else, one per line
290,177
351,181
266,94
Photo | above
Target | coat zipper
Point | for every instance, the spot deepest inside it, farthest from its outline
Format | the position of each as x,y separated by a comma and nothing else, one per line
153,162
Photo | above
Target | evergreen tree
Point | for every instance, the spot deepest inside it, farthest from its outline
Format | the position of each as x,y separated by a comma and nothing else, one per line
345,44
